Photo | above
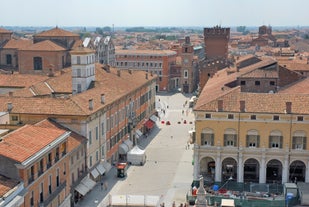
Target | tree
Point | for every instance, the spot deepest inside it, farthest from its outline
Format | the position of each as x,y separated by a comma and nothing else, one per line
240,28
107,29
99,30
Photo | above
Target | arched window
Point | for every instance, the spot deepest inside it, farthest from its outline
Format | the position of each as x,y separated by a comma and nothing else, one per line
230,138
275,139
253,139
207,137
299,140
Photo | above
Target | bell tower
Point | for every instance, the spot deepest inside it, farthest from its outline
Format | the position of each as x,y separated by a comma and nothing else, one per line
83,69
187,73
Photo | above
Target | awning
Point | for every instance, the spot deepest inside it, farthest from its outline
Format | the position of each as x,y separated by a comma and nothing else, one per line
88,183
85,186
153,118
107,166
123,149
82,189
95,173
101,169
149,124
138,133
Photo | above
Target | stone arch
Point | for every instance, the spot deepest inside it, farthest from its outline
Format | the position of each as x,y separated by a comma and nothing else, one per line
251,170
297,171
229,168
274,169
207,166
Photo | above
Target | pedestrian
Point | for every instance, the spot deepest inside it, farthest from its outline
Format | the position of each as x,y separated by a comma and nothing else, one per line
183,112
102,185
105,185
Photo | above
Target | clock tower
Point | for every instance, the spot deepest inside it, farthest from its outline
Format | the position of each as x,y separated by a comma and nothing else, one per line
187,80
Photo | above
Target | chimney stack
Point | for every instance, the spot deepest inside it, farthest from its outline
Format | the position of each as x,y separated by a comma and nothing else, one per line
90,104
118,72
10,106
220,105
288,107
130,71
242,106
10,93
102,98
146,76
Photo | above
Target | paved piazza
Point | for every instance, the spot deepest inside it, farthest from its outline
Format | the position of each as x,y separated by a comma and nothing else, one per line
168,171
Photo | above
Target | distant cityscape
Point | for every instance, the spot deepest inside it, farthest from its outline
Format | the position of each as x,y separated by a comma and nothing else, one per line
77,102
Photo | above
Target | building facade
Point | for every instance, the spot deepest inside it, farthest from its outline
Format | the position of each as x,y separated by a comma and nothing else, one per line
216,42
249,134
157,62
43,166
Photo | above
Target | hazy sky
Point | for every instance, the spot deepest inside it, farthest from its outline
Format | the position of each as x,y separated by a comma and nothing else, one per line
100,13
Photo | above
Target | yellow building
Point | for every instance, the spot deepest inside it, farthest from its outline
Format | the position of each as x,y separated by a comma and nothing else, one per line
253,136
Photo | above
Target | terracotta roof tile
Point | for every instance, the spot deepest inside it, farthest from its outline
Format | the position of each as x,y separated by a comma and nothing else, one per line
6,184
74,140
20,80
259,102
46,45
108,83
2,30
27,141
56,32
217,85
300,87
17,44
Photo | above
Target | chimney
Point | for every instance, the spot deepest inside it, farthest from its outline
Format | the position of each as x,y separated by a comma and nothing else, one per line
90,104
242,106
102,98
10,93
220,105
10,106
288,107
130,71
146,76
118,72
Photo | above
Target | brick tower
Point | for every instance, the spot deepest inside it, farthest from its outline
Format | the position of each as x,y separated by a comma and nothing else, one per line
216,42
187,54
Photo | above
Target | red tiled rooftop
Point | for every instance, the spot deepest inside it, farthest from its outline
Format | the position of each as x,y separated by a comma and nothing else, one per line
17,44
56,32
27,141
2,30
46,45
6,184
108,83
